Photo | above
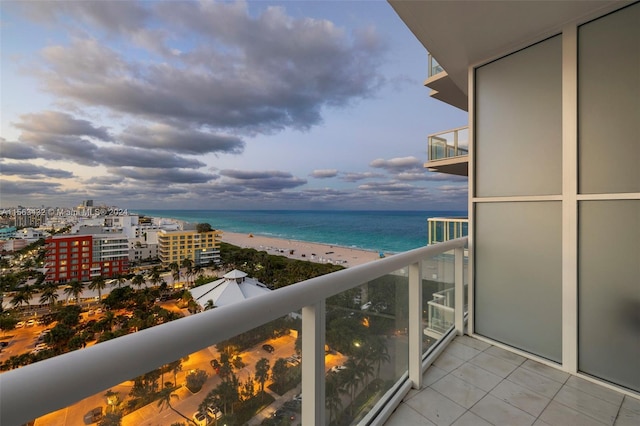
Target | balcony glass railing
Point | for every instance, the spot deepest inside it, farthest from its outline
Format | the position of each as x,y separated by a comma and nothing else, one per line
434,66
441,229
452,143
343,348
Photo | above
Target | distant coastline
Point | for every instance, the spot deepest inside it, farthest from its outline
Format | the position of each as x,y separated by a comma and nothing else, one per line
370,230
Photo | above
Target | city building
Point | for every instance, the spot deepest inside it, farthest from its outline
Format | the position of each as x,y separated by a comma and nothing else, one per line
202,248
552,152
85,256
26,218
7,232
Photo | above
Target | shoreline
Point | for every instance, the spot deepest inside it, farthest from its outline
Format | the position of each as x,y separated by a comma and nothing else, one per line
301,250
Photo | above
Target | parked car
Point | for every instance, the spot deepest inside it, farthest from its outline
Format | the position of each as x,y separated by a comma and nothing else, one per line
268,348
93,416
20,324
214,412
337,368
200,418
31,323
281,413
292,361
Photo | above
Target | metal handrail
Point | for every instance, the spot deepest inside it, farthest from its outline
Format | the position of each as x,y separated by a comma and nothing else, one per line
34,390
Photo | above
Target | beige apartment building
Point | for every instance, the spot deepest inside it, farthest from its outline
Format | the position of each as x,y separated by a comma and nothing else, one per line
202,248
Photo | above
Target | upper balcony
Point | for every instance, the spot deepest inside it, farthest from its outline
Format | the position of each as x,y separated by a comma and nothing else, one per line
442,86
448,152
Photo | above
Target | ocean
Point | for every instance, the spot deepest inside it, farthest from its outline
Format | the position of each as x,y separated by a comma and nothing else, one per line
387,231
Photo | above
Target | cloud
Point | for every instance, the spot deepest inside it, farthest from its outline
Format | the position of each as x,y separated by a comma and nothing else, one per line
324,173
17,150
184,141
31,171
135,157
60,123
355,177
170,176
397,165
263,180
231,70
387,188
29,188
427,176
61,137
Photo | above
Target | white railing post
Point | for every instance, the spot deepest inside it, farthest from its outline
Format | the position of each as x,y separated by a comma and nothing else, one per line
459,290
313,369
415,325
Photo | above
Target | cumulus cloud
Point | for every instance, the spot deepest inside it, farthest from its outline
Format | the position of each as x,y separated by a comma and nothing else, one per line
397,165
184,141
59,123
59,136
30,188
355,177
17,150
161,175
246,73
324,173
263,180
31,171
427,176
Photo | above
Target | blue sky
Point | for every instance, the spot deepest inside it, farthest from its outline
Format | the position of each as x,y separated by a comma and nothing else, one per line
258,105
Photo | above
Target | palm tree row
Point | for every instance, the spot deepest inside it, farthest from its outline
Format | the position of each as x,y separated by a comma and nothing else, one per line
366,362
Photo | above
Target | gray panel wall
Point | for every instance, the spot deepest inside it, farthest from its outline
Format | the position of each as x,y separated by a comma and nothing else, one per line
609,103
518,244
609,291
518,295
518,123
609,230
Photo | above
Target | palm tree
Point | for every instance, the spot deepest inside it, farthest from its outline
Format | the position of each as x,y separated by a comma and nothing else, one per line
98,283
209,305
197,270
165,400
120,279
175,367
188,265
155,275
378,353
74,289
50,295
262,372
22,296
138,281
333,401
350,377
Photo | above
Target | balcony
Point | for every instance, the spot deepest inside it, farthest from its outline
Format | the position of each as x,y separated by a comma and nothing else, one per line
454,379
441,229
448,152
372,308
443,87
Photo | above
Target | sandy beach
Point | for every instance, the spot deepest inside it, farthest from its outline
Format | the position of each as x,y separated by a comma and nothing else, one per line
302,250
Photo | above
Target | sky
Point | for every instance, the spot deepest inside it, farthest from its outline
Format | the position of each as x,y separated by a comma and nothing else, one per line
218,105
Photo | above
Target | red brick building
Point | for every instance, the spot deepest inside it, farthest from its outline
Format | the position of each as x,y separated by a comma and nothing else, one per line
84,257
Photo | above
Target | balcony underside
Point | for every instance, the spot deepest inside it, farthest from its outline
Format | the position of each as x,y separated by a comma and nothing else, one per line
453,166
473,382
444,89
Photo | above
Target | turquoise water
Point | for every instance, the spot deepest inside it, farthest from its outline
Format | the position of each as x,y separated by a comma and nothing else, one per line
388,231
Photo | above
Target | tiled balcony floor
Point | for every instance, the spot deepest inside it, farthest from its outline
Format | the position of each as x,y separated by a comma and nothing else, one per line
475,383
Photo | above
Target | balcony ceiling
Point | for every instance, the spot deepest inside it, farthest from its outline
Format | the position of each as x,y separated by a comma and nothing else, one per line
463,33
